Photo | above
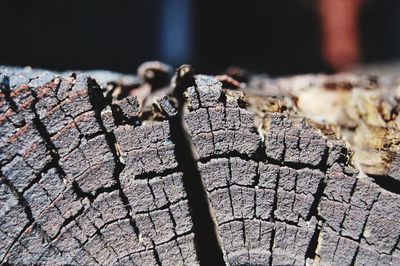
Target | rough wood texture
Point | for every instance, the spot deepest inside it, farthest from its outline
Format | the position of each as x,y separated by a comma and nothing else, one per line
290,171
78,188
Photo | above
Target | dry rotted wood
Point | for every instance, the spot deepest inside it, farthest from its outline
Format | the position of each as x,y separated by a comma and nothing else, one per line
290,171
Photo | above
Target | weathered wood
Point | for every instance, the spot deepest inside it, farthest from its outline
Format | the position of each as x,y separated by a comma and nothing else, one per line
294,171
78,188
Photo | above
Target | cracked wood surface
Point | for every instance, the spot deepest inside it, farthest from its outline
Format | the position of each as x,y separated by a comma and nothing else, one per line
289,171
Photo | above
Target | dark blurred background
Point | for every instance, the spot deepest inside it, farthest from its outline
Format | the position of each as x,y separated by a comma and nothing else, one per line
275,36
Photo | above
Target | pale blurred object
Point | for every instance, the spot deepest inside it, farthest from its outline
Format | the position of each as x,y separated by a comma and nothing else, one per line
340,32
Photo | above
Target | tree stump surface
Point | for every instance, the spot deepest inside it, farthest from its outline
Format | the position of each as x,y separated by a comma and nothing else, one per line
101,168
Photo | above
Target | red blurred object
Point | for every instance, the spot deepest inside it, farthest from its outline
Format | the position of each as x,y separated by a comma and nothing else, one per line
340,32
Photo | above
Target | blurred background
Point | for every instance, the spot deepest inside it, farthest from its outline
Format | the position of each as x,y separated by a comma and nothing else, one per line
279,37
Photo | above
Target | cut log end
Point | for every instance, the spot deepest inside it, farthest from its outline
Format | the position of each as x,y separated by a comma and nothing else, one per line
290,171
